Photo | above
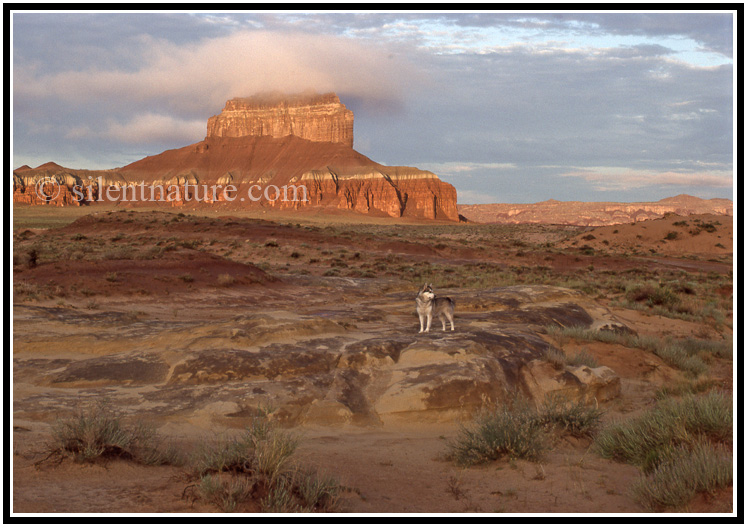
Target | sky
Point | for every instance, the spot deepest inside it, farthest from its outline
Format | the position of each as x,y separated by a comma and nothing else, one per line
509,107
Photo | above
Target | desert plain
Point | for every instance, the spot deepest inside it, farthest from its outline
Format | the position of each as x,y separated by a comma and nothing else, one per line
201,323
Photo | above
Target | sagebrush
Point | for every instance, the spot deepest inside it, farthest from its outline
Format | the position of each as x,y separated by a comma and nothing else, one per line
520,430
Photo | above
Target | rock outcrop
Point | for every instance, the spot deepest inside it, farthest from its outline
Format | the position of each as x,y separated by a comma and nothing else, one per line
51,184
394,191
265,143
593,213
308,116
361,365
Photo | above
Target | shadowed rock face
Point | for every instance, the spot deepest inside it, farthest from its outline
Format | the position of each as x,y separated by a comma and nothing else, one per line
347,367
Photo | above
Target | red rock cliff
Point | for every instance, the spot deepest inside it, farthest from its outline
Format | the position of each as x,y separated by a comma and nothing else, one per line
321,118
302,140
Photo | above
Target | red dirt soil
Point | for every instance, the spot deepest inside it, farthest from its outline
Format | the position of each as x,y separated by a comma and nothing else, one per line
177,271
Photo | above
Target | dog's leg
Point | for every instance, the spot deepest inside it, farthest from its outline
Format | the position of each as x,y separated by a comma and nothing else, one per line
420,319
444,323
428,322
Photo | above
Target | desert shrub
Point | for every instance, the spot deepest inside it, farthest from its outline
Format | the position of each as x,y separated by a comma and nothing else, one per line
26,259
582,358
700,468
575,418
317,492
675,355
189,244
224,491
689,288
259,463
671,235
519,430
226,280
512,430
280,499
25,234
555,357
650,439
720,349
186,278
686,387
652,295
151,253
709,227
122,252
271,244
683,354
27,290
98,433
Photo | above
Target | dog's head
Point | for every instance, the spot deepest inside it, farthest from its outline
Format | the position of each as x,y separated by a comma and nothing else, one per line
426,292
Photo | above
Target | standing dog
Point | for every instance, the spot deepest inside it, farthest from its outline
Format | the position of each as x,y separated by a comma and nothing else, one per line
428,306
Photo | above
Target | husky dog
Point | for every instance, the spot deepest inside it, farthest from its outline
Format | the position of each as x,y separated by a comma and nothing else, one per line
428,306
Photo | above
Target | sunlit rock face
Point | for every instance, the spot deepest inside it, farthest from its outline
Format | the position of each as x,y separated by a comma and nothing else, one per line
260,142
320,118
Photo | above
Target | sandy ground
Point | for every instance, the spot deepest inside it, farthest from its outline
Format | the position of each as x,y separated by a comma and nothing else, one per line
394,469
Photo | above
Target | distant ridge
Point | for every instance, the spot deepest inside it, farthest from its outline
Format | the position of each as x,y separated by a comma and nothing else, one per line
592,213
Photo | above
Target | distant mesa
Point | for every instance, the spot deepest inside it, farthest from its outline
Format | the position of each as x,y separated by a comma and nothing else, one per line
321,118
270,139
593,213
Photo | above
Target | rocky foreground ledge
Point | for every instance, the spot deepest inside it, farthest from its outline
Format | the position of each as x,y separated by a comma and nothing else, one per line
361,363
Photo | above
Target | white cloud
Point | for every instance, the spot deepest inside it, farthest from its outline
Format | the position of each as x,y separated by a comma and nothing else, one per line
207,73
462,167
475,197
622,179
146,128
224,20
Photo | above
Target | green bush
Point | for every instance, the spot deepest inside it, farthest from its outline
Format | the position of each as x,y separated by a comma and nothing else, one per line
555,357
582,358
575,418
258,463
98,433
685,354
652,295
224,491
652,438
518,430
700,468
511,430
